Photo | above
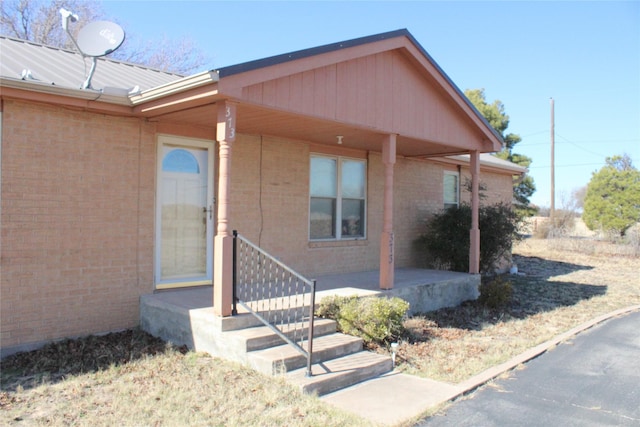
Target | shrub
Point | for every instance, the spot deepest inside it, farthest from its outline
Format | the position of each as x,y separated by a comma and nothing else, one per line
495,293
562,223
447,236
375,320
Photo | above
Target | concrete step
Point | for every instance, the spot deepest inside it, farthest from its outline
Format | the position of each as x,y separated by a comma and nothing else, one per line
285,358
275,315
262,337
342,372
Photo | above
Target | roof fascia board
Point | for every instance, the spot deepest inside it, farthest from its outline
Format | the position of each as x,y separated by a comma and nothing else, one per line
49,89
512,168
497,169
454,92
173,102
275,70
260,64
70,98
179,86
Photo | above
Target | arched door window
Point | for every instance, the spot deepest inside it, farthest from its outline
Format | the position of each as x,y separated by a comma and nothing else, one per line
180,160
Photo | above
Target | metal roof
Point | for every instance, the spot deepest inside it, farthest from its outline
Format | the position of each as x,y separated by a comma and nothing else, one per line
305,53
489,160
64,68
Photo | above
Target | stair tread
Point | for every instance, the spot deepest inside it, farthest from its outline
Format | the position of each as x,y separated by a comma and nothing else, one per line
338,366
264,331
341,372
320,343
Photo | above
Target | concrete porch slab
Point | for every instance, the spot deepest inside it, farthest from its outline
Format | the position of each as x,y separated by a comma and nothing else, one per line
370,280
425,290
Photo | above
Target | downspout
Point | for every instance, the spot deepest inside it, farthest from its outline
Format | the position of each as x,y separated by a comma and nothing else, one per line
474,233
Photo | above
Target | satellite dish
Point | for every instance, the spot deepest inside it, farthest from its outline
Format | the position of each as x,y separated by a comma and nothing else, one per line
100,38
96,39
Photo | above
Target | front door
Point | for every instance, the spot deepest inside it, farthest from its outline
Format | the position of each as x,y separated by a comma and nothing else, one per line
184,212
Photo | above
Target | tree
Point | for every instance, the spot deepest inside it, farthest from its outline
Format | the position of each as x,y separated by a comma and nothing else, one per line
523,187
578,195
40,22
612,202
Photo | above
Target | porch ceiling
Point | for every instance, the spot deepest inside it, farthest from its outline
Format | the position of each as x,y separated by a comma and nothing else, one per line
257,120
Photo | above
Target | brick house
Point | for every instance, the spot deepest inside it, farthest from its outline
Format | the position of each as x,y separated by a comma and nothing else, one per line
329,158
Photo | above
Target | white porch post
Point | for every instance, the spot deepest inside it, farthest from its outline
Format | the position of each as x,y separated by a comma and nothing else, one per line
474,247
223,243
387,262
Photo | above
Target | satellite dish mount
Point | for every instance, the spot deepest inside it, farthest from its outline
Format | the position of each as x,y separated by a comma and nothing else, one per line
96,39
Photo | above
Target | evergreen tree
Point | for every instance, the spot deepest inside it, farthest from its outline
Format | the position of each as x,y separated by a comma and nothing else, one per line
612,202
523,187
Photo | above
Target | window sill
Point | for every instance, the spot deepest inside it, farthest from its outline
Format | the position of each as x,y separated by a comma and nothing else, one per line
338,243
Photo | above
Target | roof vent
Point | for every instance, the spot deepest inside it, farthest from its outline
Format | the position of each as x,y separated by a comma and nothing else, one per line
27,75
96,39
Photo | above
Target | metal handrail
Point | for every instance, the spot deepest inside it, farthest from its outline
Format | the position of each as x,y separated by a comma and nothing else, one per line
275,294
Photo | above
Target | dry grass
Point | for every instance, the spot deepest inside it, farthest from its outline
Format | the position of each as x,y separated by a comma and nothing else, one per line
560,290
151,384
133,379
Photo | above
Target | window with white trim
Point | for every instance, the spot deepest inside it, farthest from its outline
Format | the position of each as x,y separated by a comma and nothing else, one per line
451,189
337,198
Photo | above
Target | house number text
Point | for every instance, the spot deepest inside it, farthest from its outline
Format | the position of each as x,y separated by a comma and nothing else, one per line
231,130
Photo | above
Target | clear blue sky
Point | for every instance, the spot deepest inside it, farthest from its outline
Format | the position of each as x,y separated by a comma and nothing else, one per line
586,55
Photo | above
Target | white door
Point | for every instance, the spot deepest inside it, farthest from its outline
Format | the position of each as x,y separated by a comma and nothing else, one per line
184,212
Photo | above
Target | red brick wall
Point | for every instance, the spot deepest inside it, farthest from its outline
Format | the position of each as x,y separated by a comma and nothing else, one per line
498,187
78,195
270,203
78,212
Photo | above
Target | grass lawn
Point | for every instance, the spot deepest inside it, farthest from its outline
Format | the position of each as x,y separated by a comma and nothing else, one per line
130,378
141,381
560,287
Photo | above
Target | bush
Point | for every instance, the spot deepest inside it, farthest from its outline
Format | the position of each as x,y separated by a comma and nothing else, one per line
495,293
375,320
447,236
562,223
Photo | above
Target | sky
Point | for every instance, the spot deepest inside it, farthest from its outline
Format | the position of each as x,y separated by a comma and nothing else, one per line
584,55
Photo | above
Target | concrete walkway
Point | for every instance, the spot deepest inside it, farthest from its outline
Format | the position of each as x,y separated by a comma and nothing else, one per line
397,398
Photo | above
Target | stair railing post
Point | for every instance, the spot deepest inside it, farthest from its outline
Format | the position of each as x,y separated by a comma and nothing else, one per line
312,305
234,310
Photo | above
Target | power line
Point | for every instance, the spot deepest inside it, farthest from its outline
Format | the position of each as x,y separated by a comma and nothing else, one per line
528,144
581,148
567,166
535,133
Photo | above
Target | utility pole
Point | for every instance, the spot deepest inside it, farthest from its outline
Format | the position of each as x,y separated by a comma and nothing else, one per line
553,167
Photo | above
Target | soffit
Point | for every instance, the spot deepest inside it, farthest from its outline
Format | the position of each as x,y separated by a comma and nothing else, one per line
258,120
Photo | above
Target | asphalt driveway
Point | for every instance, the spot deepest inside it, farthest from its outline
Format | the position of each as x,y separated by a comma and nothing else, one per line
591,380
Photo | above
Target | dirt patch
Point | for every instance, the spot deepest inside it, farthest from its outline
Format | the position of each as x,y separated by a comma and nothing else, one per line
133,379
59,360
554,291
